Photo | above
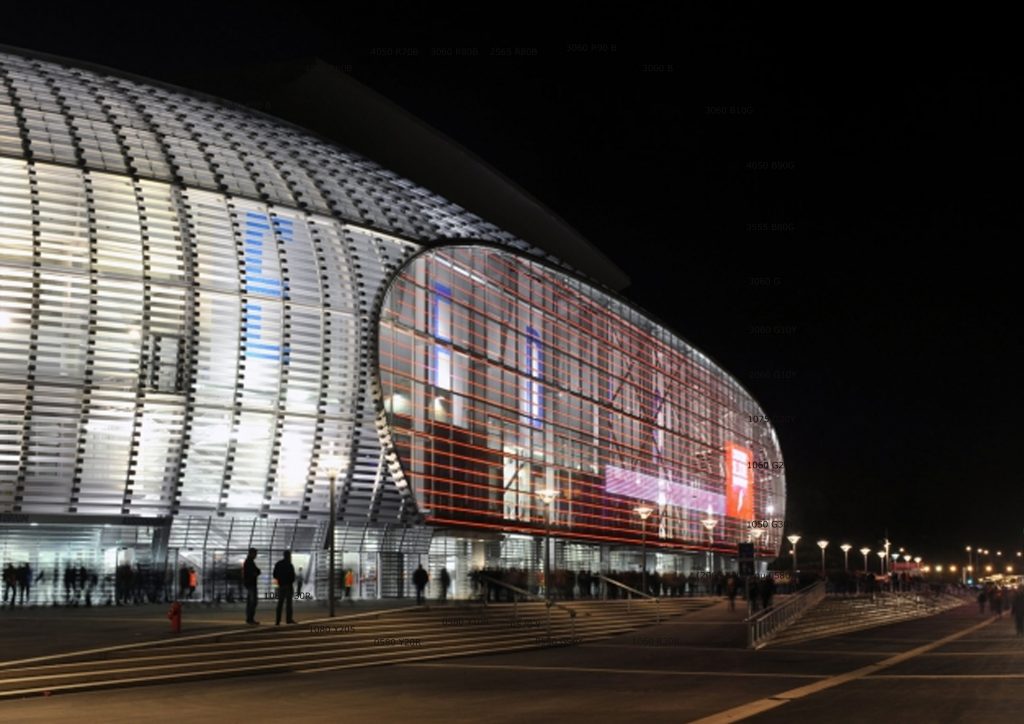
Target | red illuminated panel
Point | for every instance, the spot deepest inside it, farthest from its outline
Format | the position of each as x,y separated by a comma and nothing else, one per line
739,481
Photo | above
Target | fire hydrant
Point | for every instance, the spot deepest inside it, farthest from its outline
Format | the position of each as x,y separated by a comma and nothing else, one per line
174,614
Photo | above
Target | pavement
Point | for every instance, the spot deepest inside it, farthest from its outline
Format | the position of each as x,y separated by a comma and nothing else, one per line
957,666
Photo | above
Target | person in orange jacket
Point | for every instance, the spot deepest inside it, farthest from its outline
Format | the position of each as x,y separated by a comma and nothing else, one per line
350,580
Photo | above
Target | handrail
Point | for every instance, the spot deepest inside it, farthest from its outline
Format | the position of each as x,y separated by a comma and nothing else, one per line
657,601
530,594
763,625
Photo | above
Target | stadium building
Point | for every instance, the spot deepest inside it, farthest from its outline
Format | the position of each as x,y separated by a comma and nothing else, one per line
201,305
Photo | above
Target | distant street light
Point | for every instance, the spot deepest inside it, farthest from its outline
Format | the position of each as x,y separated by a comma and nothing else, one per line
864,552
881,562
793,539
332,464
846,556
644,511
710,522
548,495
823,544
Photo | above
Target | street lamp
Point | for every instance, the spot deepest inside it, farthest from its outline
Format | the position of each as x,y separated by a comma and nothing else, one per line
823,544
331,463
756,534
864,552
710,522
907,557
918,559
548,495
793,539
881,562
845,547
887,544
644,511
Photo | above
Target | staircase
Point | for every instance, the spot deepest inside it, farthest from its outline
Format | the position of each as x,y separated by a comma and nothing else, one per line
841,614
359,640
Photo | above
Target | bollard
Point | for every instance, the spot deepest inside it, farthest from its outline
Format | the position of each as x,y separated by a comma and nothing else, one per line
174,614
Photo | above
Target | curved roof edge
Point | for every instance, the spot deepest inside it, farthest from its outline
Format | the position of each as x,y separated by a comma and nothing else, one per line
326,102
331,103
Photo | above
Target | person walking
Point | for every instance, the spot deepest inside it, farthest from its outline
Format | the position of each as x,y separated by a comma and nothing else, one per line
730,589
1017,608
446,582
420,578
350,579
284,574
767,591
250,577
298,584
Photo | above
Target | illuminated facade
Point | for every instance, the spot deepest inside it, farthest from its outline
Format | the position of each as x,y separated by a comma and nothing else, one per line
502,377
190,300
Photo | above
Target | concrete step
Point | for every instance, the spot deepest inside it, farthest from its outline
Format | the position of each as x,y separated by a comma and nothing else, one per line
372,639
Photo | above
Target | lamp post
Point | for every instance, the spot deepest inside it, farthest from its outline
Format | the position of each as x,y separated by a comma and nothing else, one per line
846,556
968,549
548,495
823,544
793,541
331,464
864,552
644,511
756,534
881,562
710,522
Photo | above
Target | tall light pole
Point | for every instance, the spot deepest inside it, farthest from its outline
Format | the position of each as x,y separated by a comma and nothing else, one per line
881,562
823,544
846,556
793,539
548,495
864,552
644,511
710,522
756,534
331,464
887,544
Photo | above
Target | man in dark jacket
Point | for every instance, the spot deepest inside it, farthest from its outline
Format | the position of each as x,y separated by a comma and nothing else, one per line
284,573
250,577
419,579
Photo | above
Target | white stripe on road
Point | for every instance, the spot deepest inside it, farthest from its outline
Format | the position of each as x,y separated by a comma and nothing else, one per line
645,672
756,707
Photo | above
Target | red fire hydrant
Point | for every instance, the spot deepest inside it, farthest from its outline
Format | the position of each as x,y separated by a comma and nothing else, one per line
174,614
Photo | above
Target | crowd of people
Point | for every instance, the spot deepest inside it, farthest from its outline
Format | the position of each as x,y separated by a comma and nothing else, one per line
571,585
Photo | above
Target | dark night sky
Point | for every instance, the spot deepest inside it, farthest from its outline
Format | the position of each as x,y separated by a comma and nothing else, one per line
894,377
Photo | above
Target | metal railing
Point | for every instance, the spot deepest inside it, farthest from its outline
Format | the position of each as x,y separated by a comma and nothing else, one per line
629,598
763,625
517,592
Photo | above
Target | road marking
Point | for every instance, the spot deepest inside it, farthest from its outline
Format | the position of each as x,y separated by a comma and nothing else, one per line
948,676
756,707
590,669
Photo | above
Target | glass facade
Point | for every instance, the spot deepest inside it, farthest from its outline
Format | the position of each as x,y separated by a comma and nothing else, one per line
502,378
191,299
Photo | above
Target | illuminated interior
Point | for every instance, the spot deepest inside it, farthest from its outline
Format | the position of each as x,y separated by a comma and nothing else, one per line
502,377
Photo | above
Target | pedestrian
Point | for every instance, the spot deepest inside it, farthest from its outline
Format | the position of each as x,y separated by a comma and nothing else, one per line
1018,611
767,591
193,580
250,578
298,584
982,597
446,582
10,582
350,579
24,583
420,578
182,583
730,589
284,574
753,593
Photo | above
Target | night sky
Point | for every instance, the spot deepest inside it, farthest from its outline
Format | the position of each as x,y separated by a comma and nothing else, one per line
829,207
